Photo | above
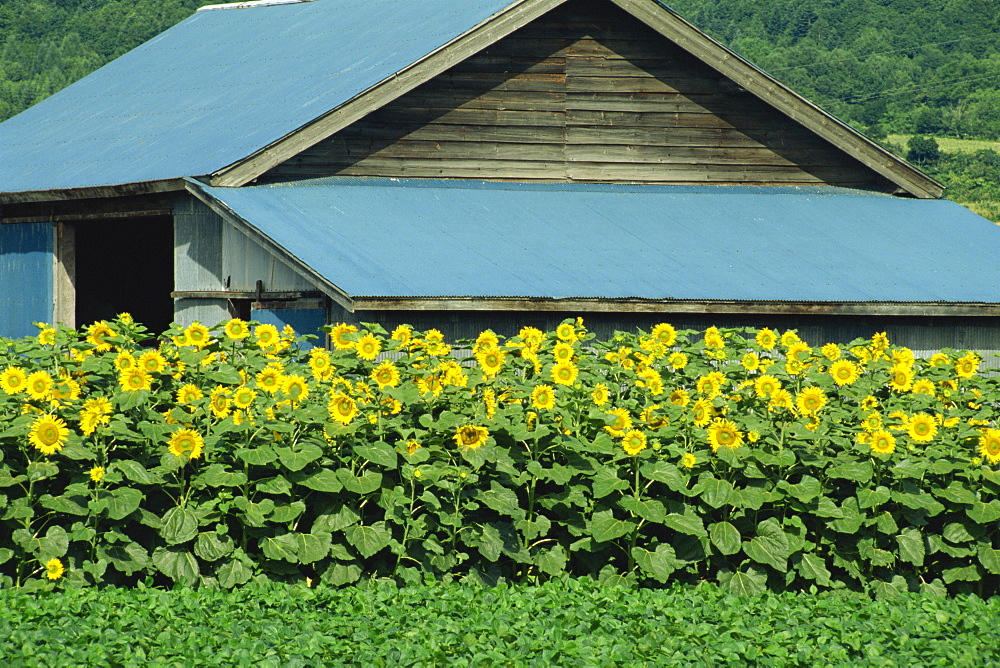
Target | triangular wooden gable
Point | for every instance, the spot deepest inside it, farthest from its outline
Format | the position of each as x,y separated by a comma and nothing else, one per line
583,90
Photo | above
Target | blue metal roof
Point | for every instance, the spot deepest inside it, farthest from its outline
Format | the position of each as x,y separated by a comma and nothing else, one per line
425,238
219,86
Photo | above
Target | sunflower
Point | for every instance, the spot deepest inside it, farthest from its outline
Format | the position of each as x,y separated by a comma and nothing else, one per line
710,385
152,361
844,372
236,329
135,379
901,378
869,403
48,434
750,361
790,337
882,442
531,336
765,386
688,460
96,335
243,397
600,395
218,402
294,388
702,412
767,339
471,437
47,336
319,364
188,394
989,445
922,427
872,422
798,351
186,441
665,334
270,378
368,347
385,375
342,336
724,434
880,342
622,423
564,373
967,365
652,418
96,473
54,569
939,359
680,398
566,332
810,400
266,336
403,334
95,411
563,352
831,351
780,398
39,385
490,360
923,386
451,374
490,402
430,384
634,442
197,335
713,338
13,379
65,390
342,408
543,397
677,361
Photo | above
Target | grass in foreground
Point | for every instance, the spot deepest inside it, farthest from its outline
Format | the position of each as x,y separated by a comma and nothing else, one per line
566,622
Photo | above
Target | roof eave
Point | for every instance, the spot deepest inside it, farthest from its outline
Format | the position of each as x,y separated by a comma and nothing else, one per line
93,192
711,306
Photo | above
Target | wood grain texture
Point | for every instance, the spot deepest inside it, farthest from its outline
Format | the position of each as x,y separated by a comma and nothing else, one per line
584,93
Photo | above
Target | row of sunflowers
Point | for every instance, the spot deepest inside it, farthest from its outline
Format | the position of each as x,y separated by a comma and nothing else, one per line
217,453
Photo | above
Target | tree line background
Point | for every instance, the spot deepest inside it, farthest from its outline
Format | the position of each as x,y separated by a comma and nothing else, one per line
929,68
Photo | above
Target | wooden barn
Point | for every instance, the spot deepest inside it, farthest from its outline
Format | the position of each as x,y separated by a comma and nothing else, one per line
465,165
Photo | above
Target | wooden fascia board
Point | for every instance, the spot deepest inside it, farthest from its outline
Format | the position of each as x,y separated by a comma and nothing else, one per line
666,22
93,192
677,306
462,47
230,216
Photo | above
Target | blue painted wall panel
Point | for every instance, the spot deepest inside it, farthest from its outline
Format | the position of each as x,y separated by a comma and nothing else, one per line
303,321
25,277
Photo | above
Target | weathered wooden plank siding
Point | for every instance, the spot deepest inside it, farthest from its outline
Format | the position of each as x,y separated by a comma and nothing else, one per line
27,262
572,98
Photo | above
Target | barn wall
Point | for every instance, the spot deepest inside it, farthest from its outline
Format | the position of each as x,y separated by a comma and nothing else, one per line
585,93
918,333
212,255
27,262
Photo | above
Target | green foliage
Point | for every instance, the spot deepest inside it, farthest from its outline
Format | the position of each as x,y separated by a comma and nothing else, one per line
729,455
922,150
565,621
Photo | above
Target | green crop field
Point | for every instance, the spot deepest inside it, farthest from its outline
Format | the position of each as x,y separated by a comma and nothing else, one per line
566,622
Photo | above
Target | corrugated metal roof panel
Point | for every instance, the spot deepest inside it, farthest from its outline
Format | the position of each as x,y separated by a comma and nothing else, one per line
425,238
219,86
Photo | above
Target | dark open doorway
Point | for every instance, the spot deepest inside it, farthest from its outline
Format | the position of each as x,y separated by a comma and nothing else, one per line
125,266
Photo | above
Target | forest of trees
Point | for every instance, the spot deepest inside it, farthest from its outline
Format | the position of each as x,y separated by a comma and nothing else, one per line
924,67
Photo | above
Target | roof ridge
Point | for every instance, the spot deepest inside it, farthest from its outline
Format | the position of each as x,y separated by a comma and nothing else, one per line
249,5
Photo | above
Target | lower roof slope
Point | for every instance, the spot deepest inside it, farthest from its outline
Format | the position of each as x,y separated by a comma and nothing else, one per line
434,239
